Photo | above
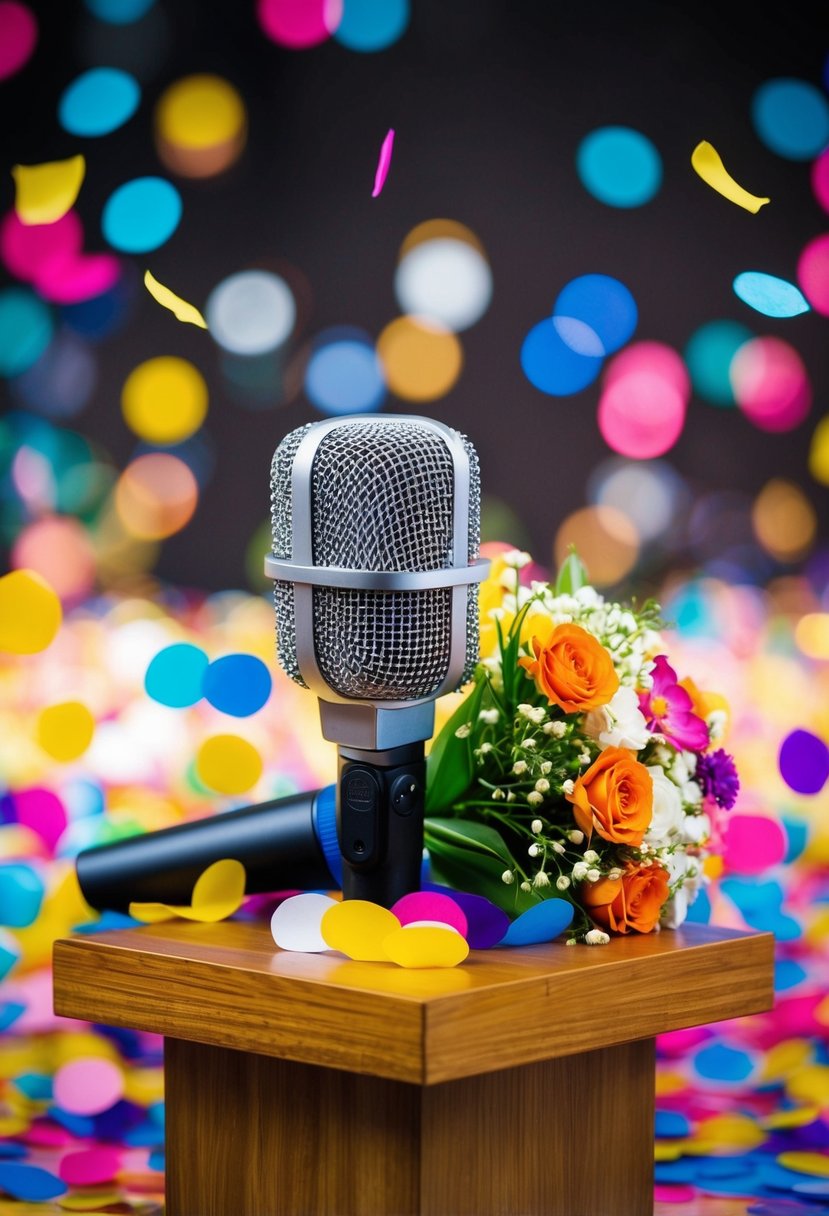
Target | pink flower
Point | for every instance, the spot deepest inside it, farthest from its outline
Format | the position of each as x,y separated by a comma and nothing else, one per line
668,712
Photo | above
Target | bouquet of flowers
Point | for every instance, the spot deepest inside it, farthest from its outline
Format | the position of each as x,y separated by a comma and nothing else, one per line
578,765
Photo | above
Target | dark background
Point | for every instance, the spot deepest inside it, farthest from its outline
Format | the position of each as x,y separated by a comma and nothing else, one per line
489,100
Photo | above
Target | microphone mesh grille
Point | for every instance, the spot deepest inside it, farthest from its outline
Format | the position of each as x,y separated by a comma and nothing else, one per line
382,499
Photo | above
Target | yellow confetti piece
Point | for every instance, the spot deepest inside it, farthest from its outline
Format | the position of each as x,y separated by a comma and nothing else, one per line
168,299
217,894
705,159
358,928
65,731
810,1085
663,1150
44,193
805,1163
425,946
30,612
731,1131
88,1200
14,1125
797,1117
783,1058
228,764
144,1085
670,1083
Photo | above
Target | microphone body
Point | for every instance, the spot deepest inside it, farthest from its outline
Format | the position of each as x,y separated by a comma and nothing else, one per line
287,844
376,523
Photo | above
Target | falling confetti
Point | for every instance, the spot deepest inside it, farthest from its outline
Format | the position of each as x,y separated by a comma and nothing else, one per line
217,894
168,299
44,193
706,160
383,163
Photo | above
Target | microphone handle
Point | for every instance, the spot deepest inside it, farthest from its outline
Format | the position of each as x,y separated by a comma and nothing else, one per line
380,822
287,844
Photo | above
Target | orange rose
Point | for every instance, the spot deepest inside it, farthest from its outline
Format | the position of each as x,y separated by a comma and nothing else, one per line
573,670
614,796
633,901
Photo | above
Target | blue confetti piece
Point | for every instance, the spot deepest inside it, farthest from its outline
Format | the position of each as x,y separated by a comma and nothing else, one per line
671,1124
9,954
723,1167
21,895
141,215
818,1187
769,295
82,1126
144,1135
797,837
679,1172
237,684
788,974
109,919
156,1161
10,1148
721,1063
98,101
699,912
10,1011
541,923
175,676
777,1177
35,1085
29,1182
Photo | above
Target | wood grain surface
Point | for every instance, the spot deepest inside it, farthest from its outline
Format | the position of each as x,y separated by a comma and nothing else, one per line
227,984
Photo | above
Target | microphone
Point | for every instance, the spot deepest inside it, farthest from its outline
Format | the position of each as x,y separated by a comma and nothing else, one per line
287,844
376,528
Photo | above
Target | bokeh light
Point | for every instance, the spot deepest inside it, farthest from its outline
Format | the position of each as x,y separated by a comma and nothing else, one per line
60,383
784,520
65,730
26,328
619,166
446,280
791,117
819,452
228,764
98,102
708,355
164,400
18,36
344,374
768,294
650,492
251,312
804,762
811,633
200,125
813,273
605,540
601,303
820,179
141,215
552,363
644,398
156,496
421,360
119,12
60,549
299,26
175,676
771,384
27,249
237,684
30,612
371,25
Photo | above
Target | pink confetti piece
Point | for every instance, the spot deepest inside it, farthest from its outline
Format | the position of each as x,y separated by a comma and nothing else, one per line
90,1167
674,1194
383,163
88,1085
430,906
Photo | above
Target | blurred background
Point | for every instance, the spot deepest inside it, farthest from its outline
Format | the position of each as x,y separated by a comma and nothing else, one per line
494,214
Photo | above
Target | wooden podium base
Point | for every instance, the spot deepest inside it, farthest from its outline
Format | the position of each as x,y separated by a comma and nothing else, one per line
518,1084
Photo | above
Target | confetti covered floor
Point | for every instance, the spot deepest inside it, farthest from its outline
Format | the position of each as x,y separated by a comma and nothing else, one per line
743,1106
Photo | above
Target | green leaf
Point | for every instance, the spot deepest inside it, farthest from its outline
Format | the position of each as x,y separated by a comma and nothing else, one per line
476,872
572,574
466,833
450,766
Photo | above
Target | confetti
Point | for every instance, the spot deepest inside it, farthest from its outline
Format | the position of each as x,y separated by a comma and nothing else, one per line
88,1085
168,299
228,764
65,730
44,193
771,296
543,922
30,612
706,161
164,400
383,163
217,894
425,946
296,923
358,928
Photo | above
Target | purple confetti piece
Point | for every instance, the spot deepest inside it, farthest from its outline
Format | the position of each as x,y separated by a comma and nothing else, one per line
383,163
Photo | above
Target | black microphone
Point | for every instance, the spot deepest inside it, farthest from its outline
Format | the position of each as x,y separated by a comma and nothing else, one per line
376,528
287,844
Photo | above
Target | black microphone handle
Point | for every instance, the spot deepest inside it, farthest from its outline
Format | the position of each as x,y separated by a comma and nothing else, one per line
284,845
380,801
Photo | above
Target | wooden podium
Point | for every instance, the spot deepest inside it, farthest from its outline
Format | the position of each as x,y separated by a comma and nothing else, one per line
520,1083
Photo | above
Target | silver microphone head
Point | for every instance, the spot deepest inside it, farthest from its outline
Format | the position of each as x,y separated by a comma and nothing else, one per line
376,529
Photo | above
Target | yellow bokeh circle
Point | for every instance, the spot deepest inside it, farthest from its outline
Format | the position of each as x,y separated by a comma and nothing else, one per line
783,519
30,612
200,125
228,764
164,400
65,731
422,360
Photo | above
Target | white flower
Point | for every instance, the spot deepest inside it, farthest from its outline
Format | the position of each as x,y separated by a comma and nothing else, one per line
575,837
525,886
690,759
580,871
567,787
489,716
546,766
542,879
533,850
520,767
696,828
516,558
529,745
620,723
584,757
591,855
691,793
595,937
536,826
485,749
562,882
538,714
593,875
716,721
525,710
497,795
588,597
615,873
463,732
534,798
542,785
558,847
556,729
675,909
667,817
678,770
508,877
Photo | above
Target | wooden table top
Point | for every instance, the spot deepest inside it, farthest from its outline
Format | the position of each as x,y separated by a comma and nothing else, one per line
229,985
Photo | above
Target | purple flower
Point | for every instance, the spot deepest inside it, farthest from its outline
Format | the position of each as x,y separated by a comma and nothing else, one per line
717,776
668,710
